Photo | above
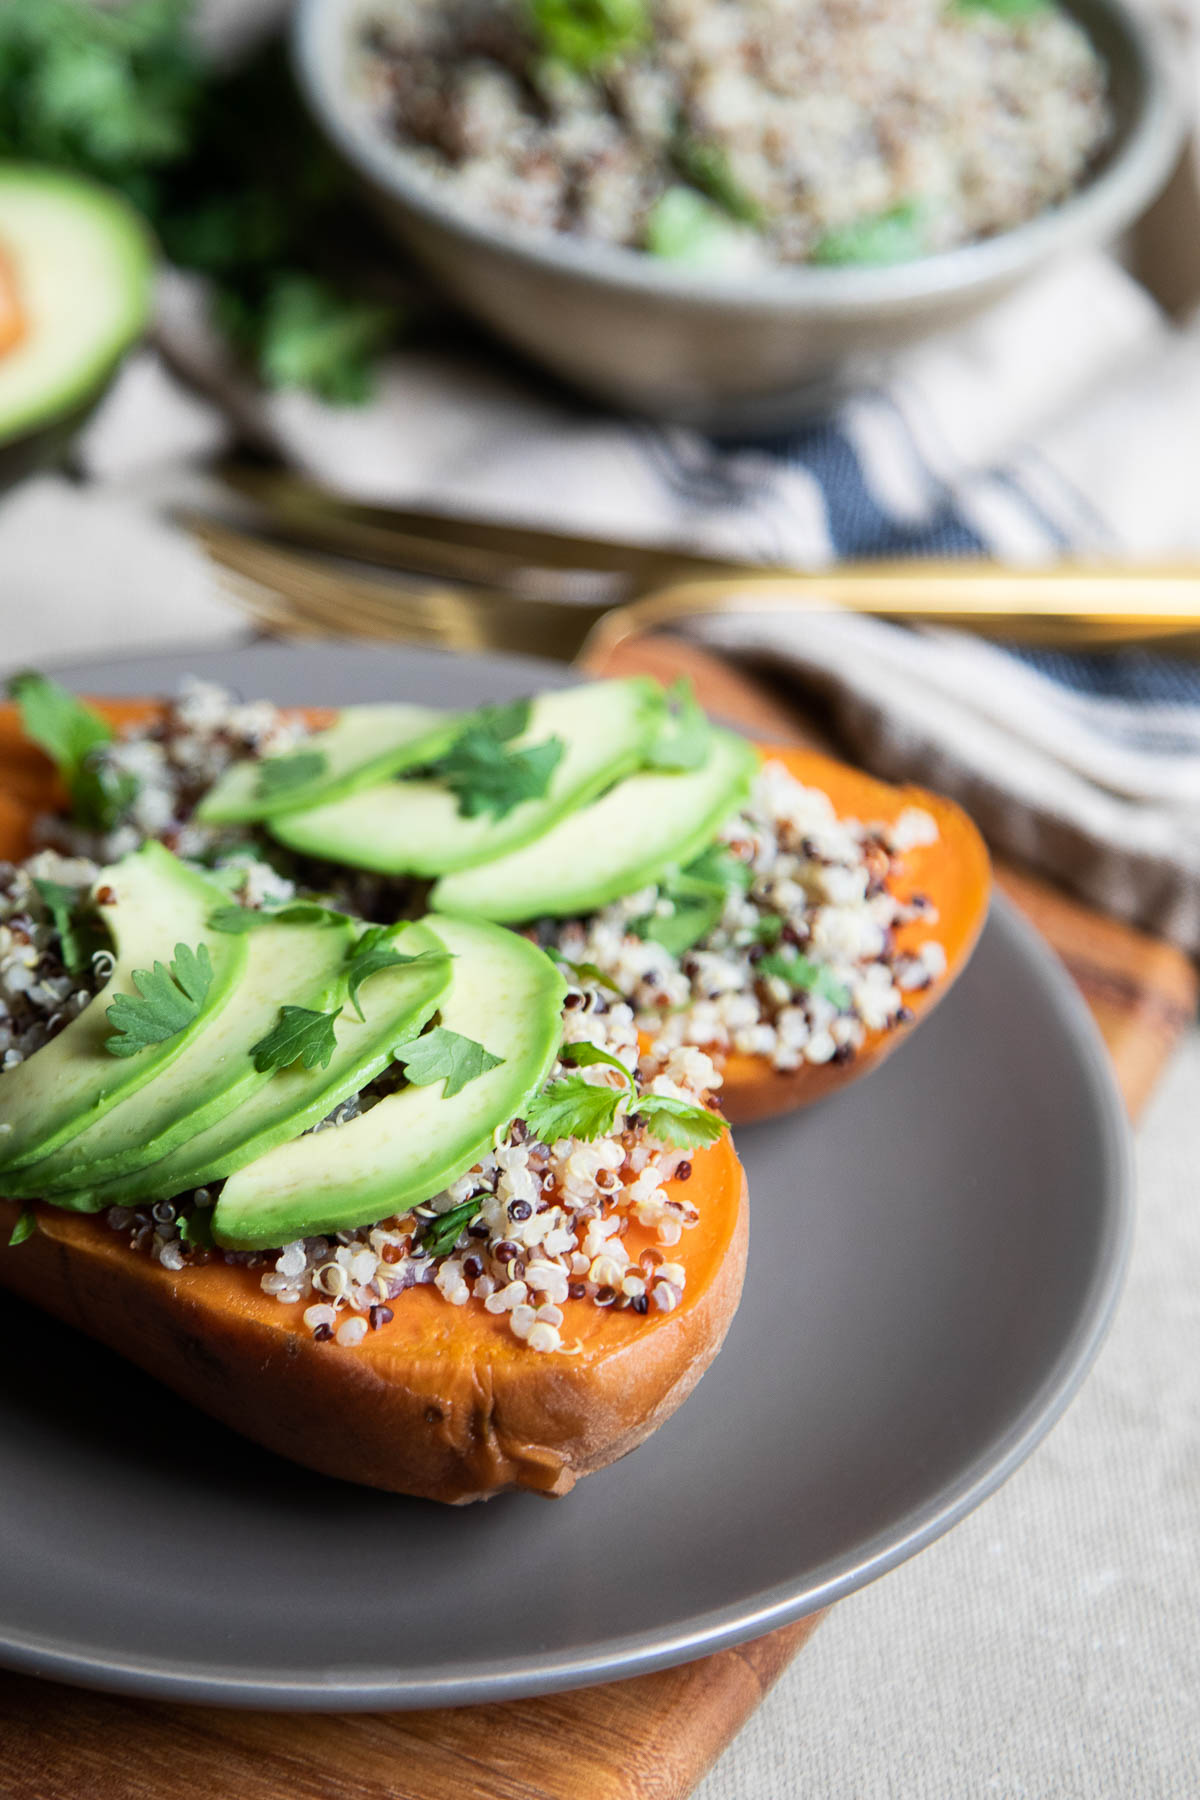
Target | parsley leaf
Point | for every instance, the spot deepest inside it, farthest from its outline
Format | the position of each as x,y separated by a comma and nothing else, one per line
589,34
706,165
301,1035
78,937
679,1122
24,1228
487,775
73,737
718,867
573,1108
235,921
373,952
195,1230
1004,9
768,929
691,919
682,226
441,1234
812,977
683,739
280,774
169,999
587,971
440,1053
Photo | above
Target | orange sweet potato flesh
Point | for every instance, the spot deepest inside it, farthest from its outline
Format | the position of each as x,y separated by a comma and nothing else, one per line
954,873
442,1402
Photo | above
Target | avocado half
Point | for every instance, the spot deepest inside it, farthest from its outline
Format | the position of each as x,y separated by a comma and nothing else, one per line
76,269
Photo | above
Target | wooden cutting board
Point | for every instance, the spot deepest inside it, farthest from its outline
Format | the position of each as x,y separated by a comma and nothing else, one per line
651,1738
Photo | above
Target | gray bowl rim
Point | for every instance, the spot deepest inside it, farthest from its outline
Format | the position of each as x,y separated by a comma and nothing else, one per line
1110,200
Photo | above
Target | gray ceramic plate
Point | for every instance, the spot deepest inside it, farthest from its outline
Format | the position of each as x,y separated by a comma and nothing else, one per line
935,1255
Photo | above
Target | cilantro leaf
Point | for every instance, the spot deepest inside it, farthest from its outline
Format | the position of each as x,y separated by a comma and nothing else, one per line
692,918
573,1108
683,739
195,1230
585,1055
487,775
441,1234
768,929
440,1053
679,1122
589,34
373,952
706,165
301,1035
24,1228
73,737
235,921
801,972
168,1000
280,774
505,721
718,867
587,971
78,937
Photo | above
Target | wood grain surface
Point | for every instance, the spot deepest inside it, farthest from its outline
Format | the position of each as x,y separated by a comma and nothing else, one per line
651,1738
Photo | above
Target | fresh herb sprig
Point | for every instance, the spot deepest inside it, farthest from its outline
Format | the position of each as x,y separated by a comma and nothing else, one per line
80,934
441,1234
810,977
575,1107
706,165
74,738
484,772
697,894
684,738
169,998
440,1054
374,952
281,774
24,1228
302,1035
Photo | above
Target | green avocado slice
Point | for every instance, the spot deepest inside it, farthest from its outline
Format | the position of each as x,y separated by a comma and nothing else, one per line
158,902
364,745
505,994
415,827
618,844
80,263
396,1002
293,964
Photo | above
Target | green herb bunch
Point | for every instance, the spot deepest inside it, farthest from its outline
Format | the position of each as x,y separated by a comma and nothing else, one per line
225,164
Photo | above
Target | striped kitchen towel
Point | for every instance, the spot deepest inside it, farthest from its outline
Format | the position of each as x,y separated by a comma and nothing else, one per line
1066,419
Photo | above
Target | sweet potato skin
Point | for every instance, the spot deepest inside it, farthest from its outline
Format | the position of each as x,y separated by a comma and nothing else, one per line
443,1402
955,873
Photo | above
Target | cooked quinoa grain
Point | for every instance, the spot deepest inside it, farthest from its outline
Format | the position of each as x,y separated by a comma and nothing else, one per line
827,130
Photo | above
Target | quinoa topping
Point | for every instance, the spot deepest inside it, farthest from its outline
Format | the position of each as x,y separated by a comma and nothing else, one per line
803,962
815,130
39,994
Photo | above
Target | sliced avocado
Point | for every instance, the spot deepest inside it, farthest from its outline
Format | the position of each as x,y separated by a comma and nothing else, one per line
620,843
415,827
506,995
75,284
364,745
294,964
396,1002
156,903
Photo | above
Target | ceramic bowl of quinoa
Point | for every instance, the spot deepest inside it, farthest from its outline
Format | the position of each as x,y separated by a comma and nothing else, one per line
723,211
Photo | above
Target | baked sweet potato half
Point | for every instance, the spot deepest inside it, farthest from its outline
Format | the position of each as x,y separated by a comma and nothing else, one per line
442,1402
953,874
